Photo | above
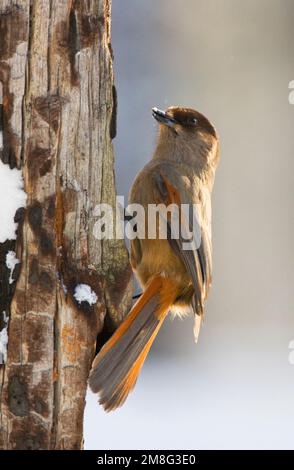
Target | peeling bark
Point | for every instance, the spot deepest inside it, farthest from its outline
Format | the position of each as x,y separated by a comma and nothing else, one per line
58,118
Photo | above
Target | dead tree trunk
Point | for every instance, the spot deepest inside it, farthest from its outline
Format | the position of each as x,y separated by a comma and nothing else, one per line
58,119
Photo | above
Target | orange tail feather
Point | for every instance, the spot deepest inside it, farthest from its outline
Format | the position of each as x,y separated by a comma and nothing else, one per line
117,366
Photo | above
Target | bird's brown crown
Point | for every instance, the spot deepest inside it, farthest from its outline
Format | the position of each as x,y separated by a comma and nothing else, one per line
191,119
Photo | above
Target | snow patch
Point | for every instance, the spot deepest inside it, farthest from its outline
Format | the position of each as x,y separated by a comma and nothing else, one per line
84,293
11,262
12,197
3,345
63,287
4,340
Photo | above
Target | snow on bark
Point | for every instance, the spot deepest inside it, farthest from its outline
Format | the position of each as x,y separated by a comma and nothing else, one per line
12,197
84,293
11,262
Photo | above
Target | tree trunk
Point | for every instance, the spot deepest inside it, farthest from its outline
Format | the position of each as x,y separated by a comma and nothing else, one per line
58,119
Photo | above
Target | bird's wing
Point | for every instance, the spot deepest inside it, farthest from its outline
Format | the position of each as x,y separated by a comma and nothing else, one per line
195,254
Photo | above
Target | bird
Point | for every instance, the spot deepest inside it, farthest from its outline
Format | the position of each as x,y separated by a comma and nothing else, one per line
175,276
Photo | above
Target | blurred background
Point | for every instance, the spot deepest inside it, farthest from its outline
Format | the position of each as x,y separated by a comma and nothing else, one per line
233,61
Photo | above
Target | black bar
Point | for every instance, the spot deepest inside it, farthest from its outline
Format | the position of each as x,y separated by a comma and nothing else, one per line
141,458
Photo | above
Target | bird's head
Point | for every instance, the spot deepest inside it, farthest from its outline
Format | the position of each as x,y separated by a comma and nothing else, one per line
184,122
185,130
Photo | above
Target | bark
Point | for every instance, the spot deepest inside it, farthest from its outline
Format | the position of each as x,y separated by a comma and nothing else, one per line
58,118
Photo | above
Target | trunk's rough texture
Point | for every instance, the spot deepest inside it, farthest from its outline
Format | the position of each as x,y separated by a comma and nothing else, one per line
58,119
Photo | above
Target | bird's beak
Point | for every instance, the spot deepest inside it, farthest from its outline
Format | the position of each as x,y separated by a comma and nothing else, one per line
163,117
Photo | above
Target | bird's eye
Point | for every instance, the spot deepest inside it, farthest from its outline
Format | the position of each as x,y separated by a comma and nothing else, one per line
192,121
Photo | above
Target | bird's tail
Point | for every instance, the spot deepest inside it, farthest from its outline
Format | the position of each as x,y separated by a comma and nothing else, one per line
117,366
